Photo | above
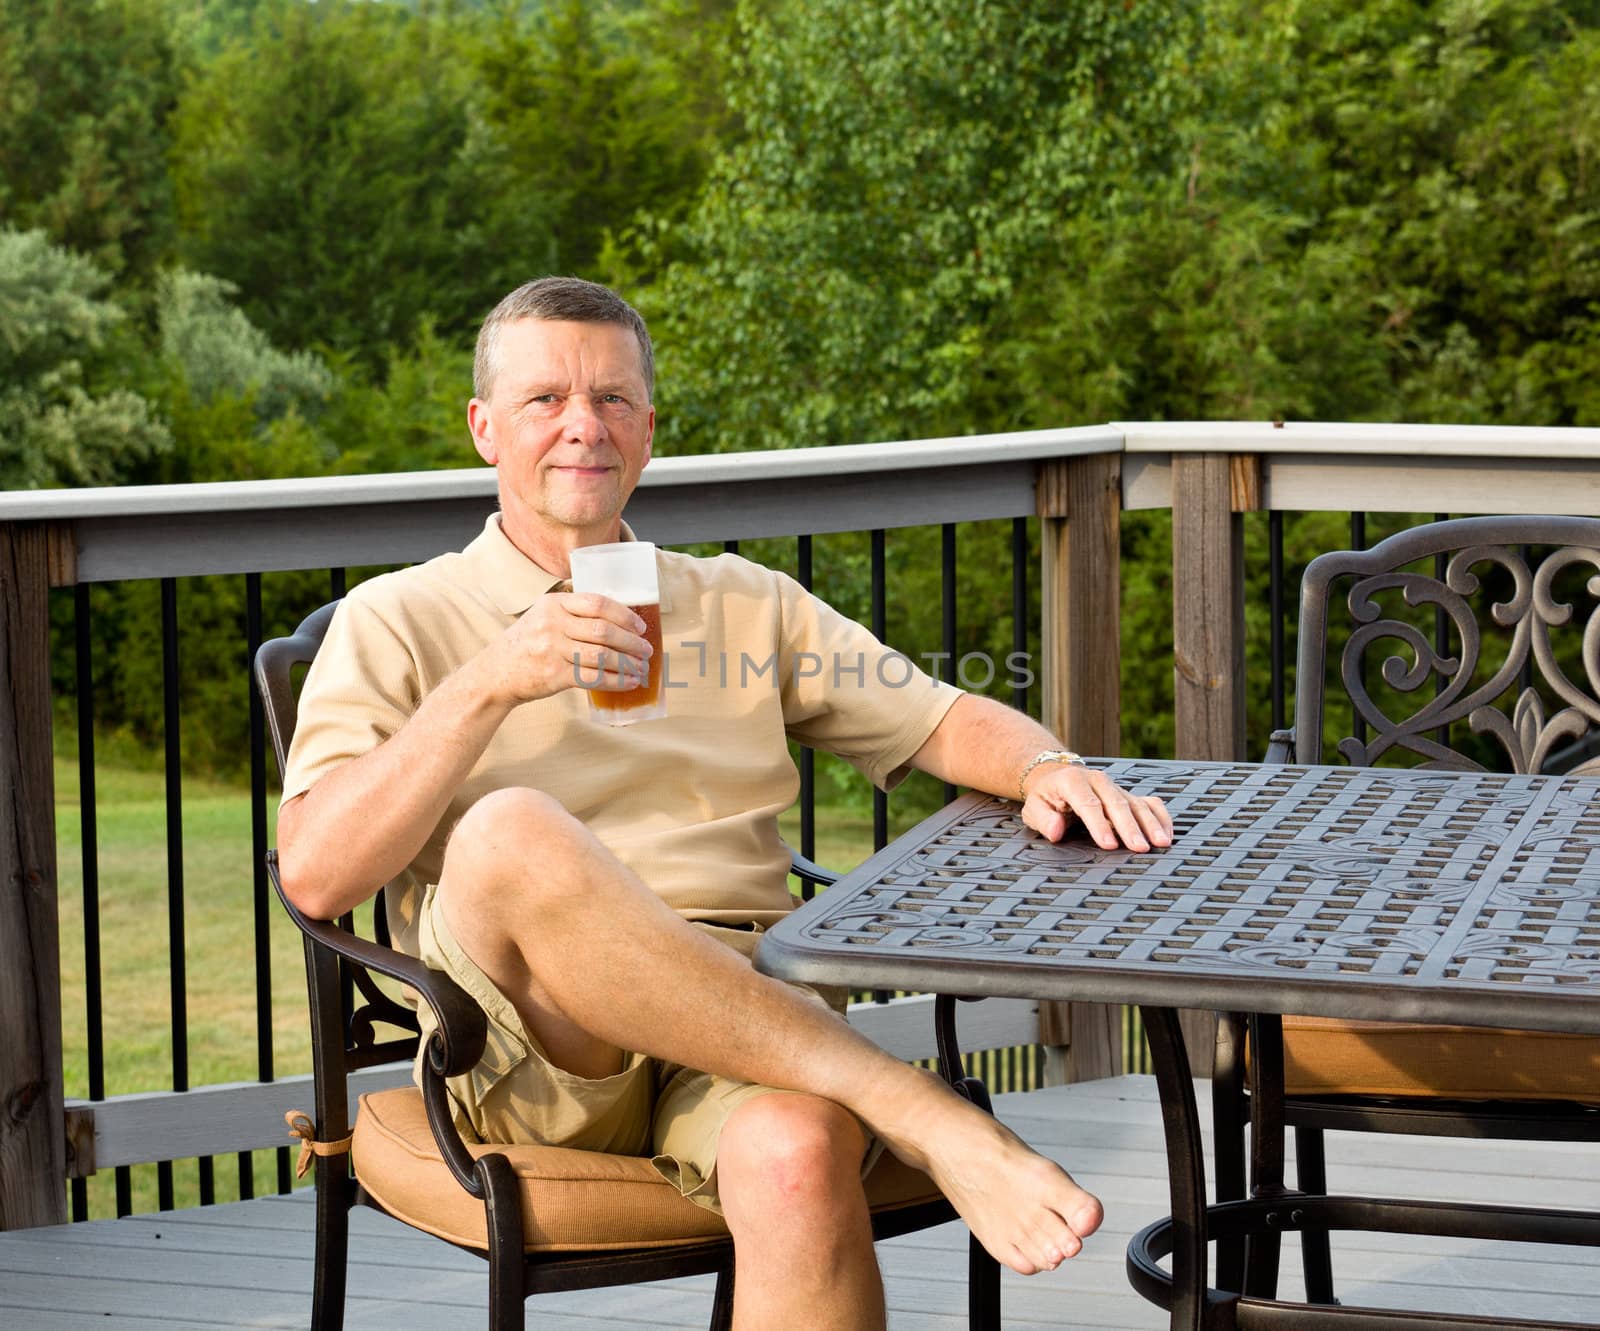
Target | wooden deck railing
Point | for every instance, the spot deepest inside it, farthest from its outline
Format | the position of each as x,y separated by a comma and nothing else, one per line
1078,482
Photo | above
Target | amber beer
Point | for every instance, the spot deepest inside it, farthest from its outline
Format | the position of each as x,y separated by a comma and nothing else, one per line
647,696
626,571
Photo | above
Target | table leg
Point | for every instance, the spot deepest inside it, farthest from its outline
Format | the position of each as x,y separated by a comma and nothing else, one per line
983,1272
1229,1116
1186,1168
1262,1251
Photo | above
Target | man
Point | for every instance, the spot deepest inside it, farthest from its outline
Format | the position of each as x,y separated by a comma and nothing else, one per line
599,889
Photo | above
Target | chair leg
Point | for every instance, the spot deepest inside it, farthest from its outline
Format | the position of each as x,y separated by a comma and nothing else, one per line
1316,1254
983,1288
503,1204
722,1303
333,1243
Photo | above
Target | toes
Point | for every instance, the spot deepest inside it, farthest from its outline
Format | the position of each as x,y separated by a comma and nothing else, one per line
1019,1261
1086,1218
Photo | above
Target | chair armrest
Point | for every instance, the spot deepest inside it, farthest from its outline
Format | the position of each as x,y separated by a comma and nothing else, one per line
454,1047
799,864
463,1029
1280,746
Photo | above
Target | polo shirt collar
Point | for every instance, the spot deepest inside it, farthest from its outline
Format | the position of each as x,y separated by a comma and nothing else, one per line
513,581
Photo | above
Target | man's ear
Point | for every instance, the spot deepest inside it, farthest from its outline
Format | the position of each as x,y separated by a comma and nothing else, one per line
482,431
650,436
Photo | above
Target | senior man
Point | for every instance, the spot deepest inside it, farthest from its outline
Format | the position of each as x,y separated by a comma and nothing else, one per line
599,890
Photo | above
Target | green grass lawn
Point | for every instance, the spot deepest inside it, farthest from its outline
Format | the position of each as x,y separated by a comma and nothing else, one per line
219,950
135,970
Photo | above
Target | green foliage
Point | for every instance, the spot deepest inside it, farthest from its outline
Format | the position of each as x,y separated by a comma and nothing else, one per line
357,171
321,168
86,88
905,172
411,415
222,354
590,112
1383,211
60,424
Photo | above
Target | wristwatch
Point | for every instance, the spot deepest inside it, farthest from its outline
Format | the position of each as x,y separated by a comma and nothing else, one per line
1047,756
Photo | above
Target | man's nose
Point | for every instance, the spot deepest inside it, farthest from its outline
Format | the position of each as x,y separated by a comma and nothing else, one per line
582,423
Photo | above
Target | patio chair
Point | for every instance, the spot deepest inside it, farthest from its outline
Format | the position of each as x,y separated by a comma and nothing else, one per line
1460,640
544,1218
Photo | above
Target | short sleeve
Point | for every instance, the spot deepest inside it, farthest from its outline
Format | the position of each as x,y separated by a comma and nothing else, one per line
361,688
846,693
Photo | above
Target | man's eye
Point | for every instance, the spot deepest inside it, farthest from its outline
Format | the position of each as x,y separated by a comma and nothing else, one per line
612,397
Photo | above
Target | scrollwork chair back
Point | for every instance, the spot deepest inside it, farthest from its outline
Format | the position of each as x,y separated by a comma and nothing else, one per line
1517,663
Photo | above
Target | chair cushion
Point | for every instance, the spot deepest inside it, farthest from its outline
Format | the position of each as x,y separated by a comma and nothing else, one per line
1326,1056
571,1200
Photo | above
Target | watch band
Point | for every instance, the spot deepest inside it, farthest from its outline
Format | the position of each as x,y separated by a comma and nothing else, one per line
1046,756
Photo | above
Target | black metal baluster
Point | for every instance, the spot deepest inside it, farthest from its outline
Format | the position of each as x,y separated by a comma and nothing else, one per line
947,584
258,870
880,630
1020,1062
1019,611
174,803
808,759
1275,610
89,841
730,547
336,583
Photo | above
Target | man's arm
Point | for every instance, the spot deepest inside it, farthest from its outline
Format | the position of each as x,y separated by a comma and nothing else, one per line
986,745
363,822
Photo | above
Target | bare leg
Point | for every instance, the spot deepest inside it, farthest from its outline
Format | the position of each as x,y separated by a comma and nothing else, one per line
789,1174
587,952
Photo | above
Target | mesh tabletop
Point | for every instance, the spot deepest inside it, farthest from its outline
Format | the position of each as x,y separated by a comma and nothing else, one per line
1353,892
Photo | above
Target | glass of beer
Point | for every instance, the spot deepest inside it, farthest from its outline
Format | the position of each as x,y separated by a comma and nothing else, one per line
626,572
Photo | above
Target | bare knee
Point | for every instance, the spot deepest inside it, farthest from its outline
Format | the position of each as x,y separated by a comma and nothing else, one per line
514,852
505,834
790,1156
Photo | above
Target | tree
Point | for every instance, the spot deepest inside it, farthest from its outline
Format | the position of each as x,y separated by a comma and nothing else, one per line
324,167
356,170
87,89
905,173
61,422
592,113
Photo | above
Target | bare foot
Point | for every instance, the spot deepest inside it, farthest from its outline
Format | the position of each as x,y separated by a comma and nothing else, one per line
1025,1210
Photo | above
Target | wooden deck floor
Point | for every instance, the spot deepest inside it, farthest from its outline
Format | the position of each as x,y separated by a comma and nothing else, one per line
248,1264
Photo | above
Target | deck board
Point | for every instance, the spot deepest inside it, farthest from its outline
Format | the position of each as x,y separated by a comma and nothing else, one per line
248,1264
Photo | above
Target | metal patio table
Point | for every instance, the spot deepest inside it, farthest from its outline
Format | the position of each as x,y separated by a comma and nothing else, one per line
1456,898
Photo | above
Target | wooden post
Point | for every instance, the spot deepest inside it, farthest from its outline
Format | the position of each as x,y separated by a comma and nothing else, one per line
32,1124
1080,511
1209,493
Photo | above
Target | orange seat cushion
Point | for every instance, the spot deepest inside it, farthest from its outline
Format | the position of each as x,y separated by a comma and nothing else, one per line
571,1200
1327,1056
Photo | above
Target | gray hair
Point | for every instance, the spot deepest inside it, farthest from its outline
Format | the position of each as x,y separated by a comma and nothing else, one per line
558,299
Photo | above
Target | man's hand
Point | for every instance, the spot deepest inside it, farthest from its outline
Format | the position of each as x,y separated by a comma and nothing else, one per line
1057,792
567,640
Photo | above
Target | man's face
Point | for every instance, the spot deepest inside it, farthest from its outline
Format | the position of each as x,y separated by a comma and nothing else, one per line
568,423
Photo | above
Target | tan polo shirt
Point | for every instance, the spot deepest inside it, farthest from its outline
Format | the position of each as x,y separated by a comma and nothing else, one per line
690,802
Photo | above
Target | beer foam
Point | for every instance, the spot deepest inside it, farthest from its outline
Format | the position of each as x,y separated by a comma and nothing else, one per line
630,592
625,572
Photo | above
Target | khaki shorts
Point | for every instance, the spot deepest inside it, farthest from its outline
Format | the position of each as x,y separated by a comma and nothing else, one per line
669,1112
